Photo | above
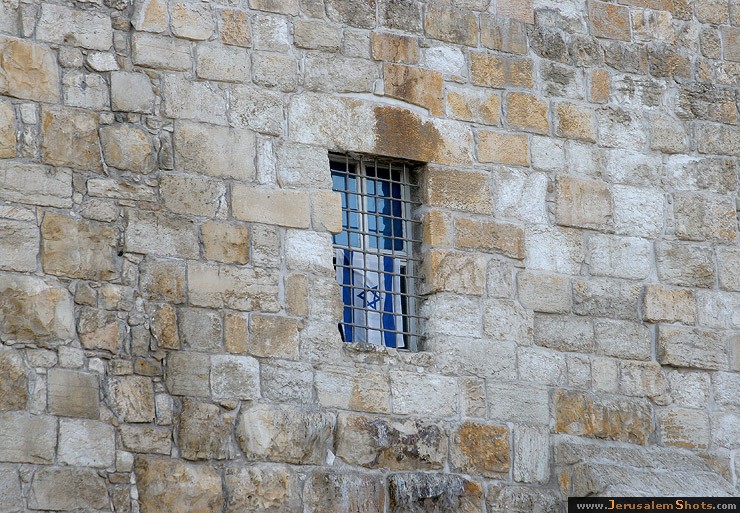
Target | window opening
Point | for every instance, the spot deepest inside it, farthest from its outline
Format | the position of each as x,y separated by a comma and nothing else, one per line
374,254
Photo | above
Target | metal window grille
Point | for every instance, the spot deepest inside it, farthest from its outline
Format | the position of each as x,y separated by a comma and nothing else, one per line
374,255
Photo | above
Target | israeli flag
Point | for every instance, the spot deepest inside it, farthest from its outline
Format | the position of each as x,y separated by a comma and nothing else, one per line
371,287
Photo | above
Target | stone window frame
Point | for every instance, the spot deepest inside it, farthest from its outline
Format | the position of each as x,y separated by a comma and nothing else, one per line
410,256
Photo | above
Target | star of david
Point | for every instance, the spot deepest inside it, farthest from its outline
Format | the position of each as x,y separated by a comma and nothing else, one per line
373,303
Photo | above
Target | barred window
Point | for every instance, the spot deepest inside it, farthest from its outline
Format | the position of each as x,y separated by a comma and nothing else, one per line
374,254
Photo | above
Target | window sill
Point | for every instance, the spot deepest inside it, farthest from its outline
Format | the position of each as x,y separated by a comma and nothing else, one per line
361,352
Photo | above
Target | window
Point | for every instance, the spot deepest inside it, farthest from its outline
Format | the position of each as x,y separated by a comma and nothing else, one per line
374,256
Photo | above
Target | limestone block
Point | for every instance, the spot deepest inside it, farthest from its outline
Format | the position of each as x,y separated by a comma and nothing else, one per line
644,379
128,147
503,148
203,432
269,489
233,28
219,286
156,233
517,403
730,43
271,32
19,245
686,347
448,492
564,333
685,265
610,419
695,173
661,304
27,438
66,488
481,449
215,151
132,398
396,444
477,106
218,62
150,15
623,339
521,499
558,250
504,34
62,25
88,443
727,389
417,86
574,122
458,190
689,389
423,394
583,203
197,101
604,297
718,309
13,381
333,491
725,429
457,26
619,257
667,134
531,450
100,329
193,195
117,189
131,92
466,356
275,70
144,438
235,332
704,217
29,70
498,71
353,389
544,292
234,377
160,52
191,21
225,242
187,373
520,195
527,112
454,271
10,491
638,211
448,60
273,336
329,72
35,309
73,393
683,427
285,434
610,21
70,138
286,381
437,228
326,211
547,154
169,485
78,248
7,130
162,280
394,48
504,319
85,90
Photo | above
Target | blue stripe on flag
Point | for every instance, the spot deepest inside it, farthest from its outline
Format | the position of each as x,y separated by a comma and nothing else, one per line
389,319
347,282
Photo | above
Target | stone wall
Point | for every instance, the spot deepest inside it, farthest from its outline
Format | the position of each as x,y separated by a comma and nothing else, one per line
168,309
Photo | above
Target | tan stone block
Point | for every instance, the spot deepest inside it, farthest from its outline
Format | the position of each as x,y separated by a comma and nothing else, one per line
458,190
713,11
273,336
191,21
269,489
73,393
394,48
503,34
326,211
240,288
582,202
67,488
464,273
235,332
215,151
683,427
296,294
353,389
203,431
163,280
188,373
29,70
193,195
19,245
27,438
132,398
13,381
527,112
233,28
63,25
661,304
160,52
7,129
502,148
609,21
731,43
150,16
99,329
415,85
490,236
164,327
522,10
170,485
78,248
582,414
687,347
70,138
459,26
35,184
317,35
575,122
270,206
437,228
156,233
600,86
481,449
479,106
705,217
128,147
225,242
494,71
215,61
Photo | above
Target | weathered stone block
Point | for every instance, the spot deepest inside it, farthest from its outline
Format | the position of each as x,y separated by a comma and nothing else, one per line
67,488
85,90
619,257
685,265
473,105
281,207
285,381
274,70
29,70
522,10
452,25
685,347
423,394
353,389
27,438
718,139
683,427
521,499
225,242
725,430
100,329
203,432
520,195
19,245
73,393
330,491
516,402
234,377
503,34
458,190
489,236
131,92
609,21
169,485
62,25
162,280
610,419
544,292
13,381
503,148
215,151
219,286
285,434
531,451
70,138
78,248
128,147
328,72
191,21
582,203
527,112
574,122
638,211
197,101
160,52
494,71
317,35
132,398
727,389
395,444
268,489
154,233
481,449
564,333
454,271
644,379
274,336
88,443
193,195
233,27
394,48
10,491
447,492
623,339
544,366
417,86
703,217
187,373
604,297
146,439
661,304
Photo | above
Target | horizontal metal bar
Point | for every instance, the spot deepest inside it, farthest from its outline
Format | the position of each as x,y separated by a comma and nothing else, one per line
378,253
364,309
395,332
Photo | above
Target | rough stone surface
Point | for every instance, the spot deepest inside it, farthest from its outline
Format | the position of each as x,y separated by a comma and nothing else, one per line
261,488
66,488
